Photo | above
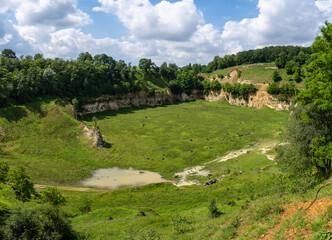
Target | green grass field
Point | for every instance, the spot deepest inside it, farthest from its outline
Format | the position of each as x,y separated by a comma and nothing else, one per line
48,141
44,137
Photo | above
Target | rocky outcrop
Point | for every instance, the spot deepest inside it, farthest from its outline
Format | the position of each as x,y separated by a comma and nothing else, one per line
258,100
114,102
94,134
142,98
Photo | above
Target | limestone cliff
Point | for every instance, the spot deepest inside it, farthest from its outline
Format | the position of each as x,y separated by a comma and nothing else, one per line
258,100
114,102
142,98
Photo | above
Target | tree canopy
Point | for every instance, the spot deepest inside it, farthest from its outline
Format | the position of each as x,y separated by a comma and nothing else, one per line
309,132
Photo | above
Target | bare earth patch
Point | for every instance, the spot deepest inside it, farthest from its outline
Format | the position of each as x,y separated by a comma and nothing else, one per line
311,215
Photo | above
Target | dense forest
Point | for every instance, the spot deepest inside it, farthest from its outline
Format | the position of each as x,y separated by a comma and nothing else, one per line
24,78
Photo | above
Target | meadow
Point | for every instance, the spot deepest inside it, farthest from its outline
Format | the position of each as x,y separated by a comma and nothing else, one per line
49,142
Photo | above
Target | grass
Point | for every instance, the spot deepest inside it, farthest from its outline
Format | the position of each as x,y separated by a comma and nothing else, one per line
48,141
257,73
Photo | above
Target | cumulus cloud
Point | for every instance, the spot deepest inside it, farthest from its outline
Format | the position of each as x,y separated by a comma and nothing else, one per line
280,22
167,31
163,21
60,13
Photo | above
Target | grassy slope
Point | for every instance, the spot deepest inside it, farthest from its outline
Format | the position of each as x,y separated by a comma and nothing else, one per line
49,142
257,73
44,137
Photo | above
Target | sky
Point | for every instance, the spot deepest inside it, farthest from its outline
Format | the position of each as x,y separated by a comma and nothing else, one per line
173,31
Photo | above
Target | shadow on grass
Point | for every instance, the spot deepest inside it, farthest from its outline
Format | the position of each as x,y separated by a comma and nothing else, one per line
15,113
129,110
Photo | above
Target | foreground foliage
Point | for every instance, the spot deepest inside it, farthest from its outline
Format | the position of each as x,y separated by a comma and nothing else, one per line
309,133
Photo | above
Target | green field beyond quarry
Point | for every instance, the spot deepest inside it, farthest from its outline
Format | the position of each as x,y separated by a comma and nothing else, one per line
48,141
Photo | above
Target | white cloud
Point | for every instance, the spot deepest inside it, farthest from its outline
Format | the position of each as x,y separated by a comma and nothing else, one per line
280,22
325,6
59,13
171,32
163,21
5,39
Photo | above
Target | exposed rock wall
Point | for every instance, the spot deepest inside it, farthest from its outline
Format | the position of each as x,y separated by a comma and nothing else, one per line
114,102
258,100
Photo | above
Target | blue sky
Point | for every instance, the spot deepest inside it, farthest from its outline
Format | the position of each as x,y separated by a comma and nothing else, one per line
179,31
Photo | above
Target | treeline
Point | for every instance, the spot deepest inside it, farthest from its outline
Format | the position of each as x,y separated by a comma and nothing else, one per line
24,78
267,54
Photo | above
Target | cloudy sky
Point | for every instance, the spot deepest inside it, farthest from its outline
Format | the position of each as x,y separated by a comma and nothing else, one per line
180,31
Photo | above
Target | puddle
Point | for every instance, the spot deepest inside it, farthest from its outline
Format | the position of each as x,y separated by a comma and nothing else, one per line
112,178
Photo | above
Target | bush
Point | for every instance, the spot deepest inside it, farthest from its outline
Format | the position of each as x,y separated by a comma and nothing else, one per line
214,211
215,85
85,206
41,223
4,168
176,87
276,77
53,196
21,183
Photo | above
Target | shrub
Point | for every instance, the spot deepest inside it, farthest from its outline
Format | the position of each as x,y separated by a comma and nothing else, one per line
214,211
4,168
21,183
215,85
273,89
38,223
85,206
53,196
176,87
276,77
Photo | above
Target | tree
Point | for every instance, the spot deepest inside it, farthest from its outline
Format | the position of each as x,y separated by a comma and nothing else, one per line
309,130
146,64
290,67
82,57
276,77
281,60
297,76
20,182
176,87
38,223
38,56
8,53
53,196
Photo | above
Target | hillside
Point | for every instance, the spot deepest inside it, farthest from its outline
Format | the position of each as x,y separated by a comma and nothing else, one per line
257,73
51,144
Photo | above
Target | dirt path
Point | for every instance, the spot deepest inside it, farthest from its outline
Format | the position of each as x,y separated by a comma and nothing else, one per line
75,189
